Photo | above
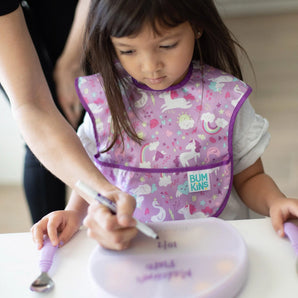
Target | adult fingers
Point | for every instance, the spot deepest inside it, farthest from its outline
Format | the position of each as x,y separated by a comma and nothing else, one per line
100,217
116,240
103,226
126,205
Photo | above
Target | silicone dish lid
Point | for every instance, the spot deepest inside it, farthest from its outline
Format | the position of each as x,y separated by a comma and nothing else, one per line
192,258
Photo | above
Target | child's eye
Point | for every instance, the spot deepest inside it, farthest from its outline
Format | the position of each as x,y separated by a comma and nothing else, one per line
126,52
171,46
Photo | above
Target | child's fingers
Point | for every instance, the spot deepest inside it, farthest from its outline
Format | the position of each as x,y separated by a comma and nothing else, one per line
69,228
277,220
285,210
53,224
38,230
277,224
66,235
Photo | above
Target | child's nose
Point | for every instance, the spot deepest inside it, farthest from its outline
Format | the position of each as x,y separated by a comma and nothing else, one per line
151,63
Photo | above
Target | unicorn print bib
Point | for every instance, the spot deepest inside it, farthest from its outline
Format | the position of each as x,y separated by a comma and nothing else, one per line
184,166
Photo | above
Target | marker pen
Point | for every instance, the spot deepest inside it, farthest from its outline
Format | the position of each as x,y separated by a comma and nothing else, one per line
112,206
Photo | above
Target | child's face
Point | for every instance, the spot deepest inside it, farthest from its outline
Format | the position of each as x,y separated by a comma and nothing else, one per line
158,61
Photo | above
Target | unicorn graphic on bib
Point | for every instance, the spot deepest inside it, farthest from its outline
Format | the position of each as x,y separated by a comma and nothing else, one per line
140,103
194,148
237,90
189,212
218,83
172,102
161,215
138,193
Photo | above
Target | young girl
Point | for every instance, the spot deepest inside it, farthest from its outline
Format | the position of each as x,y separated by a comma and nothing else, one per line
169,125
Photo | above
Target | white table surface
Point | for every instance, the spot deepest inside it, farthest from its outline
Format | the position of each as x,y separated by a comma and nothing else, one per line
272,272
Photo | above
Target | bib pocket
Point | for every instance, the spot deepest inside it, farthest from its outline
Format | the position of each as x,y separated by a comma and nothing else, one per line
175,193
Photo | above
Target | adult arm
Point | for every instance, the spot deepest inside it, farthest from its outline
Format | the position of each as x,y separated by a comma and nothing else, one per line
43,128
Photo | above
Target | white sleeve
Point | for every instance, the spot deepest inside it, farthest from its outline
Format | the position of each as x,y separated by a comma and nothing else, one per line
86,134
250,137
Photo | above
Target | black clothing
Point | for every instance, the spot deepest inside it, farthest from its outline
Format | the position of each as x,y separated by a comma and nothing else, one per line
7,6
44,192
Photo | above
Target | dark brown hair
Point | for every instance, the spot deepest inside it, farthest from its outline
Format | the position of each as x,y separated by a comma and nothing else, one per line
119,18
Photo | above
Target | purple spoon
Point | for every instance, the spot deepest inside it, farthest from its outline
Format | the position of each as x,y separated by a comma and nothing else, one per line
291,230
43,282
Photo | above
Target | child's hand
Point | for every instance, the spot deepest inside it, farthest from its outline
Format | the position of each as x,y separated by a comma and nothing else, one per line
58,225
281,211
109,230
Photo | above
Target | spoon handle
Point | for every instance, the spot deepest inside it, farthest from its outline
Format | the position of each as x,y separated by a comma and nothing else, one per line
47,254
291,230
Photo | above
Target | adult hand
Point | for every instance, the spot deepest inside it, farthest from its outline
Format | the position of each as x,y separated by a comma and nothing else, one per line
109,230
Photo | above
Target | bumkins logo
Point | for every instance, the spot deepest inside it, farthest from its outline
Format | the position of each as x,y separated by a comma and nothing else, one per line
198,181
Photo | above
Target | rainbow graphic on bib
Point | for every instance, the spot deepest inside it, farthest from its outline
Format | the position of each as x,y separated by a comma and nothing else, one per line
210,129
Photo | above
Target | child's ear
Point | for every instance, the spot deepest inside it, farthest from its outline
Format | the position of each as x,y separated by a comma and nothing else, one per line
199,33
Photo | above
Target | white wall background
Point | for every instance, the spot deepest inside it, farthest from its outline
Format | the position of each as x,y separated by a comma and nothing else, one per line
246,7
11,147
